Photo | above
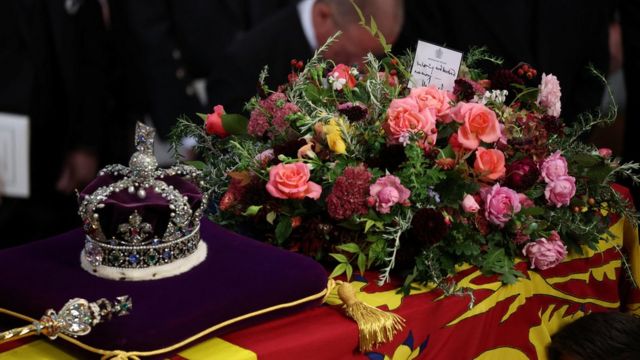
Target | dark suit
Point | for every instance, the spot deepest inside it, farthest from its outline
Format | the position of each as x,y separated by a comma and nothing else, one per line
57,75
555,36
179,40
274,42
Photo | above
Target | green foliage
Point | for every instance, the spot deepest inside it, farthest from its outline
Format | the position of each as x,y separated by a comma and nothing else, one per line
234,124
417,173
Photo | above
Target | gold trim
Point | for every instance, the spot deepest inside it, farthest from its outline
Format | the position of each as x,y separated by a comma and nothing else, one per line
135,355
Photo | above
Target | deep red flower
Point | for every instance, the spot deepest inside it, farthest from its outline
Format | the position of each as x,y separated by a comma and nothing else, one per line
349,194
522,174
428,227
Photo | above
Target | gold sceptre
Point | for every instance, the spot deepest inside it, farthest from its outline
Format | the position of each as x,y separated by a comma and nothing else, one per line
76,318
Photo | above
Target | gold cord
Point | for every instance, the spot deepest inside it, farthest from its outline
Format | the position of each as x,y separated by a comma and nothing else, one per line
135,355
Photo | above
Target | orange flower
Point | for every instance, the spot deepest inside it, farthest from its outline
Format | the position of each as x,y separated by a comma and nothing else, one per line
489,164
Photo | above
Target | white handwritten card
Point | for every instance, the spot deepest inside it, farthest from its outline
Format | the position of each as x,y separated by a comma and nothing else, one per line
14,155
435,65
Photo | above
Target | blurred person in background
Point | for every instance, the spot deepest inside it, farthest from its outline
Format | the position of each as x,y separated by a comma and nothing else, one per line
176,43
57,66
296,32
52,69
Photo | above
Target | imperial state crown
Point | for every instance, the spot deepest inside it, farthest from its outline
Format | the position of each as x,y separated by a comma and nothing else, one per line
142,222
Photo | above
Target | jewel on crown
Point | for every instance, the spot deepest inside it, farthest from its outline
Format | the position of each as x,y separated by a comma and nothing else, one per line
141,216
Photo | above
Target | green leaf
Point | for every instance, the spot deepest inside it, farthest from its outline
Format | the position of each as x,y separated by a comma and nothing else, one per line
271,216
202,116
349,270
360,15
350,247
252,210
374,26
235,124
532,211
341,258
196,164
283,229
362,263
585,160
511,277
339,269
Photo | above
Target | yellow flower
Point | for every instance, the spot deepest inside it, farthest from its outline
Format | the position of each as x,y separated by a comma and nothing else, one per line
334,136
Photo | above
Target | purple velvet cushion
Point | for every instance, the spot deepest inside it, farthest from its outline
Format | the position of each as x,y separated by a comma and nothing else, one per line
239,276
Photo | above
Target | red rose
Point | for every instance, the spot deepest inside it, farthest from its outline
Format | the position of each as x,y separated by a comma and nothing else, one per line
213,124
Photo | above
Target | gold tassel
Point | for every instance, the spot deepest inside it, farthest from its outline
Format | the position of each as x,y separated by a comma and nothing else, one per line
375,326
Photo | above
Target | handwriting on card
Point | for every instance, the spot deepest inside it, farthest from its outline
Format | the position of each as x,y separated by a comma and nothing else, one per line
435,65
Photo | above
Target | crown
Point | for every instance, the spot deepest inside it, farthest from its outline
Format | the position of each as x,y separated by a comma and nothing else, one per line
142,222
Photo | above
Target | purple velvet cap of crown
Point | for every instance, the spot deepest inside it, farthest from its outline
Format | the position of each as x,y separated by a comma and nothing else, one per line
153,208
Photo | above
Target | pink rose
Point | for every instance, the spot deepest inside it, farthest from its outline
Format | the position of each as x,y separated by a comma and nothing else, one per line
479,123
525,202
560,191
554,167
404,117
388,191
500,204
489,164
213,124
432,99
605,152
545,253
291,181
469,204
341,76
549,95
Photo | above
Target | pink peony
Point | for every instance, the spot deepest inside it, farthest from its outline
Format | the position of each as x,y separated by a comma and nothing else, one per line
404,117
560,191
500,204
489,164
479,123
430,98
469,204
545,253
549,95
554,167
388,191
213,124
291,181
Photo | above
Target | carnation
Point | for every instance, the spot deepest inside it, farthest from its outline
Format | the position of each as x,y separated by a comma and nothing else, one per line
349,194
